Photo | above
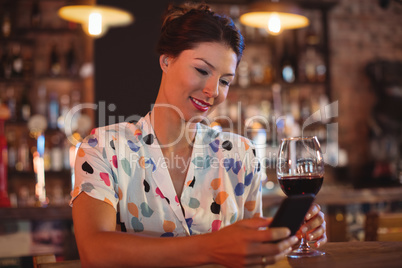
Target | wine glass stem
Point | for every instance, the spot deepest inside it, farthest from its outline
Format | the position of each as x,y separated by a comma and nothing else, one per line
303,244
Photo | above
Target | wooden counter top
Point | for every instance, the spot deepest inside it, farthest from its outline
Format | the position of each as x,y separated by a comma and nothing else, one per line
351,254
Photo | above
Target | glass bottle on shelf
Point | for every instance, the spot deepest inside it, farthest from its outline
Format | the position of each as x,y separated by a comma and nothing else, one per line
28,63
71,61
64,109
288,65
11,103
66,154
12,149
4,199
75,100
41,103
56,153
54,63
3,58
35,15
25,106
17,61
7,64
257,72
23,162
53,110
6,25
243,74
47,160
312,67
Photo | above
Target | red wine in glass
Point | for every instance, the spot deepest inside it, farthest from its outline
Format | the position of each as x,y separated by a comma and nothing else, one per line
295,185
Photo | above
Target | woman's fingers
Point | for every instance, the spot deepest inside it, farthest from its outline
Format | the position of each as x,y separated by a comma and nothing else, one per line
321,241
313,223
265,249
317,233
314,209
268,259
273,234
269,253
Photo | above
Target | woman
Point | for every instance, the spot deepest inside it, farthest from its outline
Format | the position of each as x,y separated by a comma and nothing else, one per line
170,176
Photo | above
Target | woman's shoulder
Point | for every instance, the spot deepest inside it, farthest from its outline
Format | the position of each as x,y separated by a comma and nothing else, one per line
123,130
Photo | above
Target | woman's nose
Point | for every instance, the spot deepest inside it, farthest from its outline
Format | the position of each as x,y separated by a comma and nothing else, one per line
211,88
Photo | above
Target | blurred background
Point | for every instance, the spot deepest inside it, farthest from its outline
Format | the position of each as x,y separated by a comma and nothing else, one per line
339,78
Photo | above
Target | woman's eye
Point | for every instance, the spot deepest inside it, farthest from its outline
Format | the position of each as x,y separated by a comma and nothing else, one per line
201,71
225,83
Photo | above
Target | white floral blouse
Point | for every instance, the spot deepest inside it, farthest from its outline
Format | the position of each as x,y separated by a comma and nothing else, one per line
123,165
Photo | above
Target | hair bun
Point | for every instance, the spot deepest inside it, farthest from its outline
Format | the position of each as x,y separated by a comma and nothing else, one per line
175,11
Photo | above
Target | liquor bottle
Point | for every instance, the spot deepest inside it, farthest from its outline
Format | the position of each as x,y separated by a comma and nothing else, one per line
288,65
312,67
54,64
56,153
35,15
12,149
17,62
41,103
6,25
25,107
47,160
53,110
23,162
243,74
66,154
11,103
64,109
4,115
257,72
7,64
2,62
71,61
28,63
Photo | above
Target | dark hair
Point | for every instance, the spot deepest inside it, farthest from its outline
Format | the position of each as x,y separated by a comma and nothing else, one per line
184,26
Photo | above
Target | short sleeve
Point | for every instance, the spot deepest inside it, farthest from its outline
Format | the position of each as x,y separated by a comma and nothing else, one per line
255,175
94,172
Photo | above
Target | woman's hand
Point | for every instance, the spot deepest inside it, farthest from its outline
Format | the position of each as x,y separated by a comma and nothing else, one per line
247,243
315,226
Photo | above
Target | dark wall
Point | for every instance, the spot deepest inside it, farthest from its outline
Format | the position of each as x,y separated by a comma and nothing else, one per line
127,71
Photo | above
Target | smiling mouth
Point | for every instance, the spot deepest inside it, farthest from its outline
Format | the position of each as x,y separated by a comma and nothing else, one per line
200,105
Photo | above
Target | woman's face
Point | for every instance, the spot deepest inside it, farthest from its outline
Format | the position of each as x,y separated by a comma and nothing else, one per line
198,79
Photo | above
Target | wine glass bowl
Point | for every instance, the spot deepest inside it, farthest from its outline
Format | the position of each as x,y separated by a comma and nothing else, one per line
300,170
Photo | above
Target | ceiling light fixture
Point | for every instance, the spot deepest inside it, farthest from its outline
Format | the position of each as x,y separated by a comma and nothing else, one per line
274,16
96,20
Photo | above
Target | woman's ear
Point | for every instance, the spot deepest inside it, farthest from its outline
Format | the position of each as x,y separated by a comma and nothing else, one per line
164,62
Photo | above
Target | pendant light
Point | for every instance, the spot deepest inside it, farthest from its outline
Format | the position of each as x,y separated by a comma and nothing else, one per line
274,16
97,19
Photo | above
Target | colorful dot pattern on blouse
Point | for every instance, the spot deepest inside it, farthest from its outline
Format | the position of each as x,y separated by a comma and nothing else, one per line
123,165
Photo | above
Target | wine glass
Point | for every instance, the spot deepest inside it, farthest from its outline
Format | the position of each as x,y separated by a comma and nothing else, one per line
300,170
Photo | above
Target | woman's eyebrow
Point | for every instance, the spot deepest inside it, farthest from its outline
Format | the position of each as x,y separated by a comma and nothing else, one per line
212,66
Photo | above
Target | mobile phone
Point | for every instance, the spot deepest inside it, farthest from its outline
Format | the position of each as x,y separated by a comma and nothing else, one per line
292,211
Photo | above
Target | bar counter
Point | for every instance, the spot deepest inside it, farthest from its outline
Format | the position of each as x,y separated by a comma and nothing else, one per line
351,254
338,254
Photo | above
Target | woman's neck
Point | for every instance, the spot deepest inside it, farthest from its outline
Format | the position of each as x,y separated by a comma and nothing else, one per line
172,132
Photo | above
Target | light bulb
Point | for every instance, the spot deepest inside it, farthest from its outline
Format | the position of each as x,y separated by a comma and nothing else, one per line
95,24
274,24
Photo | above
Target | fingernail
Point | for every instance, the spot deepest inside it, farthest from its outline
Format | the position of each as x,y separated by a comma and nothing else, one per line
310,237
287,232
304,229
308,216
317,245
295,239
